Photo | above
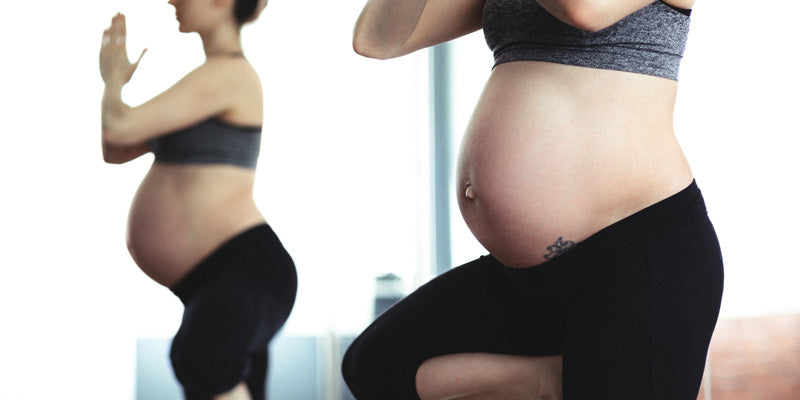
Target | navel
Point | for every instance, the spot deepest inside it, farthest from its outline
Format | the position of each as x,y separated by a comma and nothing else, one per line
469,192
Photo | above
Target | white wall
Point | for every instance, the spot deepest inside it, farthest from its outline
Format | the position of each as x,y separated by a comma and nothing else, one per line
737,118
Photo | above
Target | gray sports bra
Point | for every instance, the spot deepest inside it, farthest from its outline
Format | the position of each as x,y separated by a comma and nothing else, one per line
650,41
210,142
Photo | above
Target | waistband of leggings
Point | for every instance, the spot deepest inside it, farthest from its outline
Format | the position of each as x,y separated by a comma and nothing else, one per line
220,259
684,206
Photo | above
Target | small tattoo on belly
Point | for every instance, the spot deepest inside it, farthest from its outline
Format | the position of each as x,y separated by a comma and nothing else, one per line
558,248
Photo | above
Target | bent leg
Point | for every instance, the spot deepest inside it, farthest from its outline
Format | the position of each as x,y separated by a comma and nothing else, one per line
474,308
641,326
235,302
211,351
476,376
223,341
239,392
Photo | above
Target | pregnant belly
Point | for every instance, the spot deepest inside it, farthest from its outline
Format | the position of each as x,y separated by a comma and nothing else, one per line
160,236
525,206
179,218
544,165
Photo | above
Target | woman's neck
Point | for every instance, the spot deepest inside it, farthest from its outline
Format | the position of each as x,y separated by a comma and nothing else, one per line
225,40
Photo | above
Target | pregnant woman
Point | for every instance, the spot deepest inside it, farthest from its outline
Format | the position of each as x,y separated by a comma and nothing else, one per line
604,277
194,226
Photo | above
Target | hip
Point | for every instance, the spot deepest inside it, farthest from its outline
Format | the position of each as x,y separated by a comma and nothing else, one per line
676,228
254,258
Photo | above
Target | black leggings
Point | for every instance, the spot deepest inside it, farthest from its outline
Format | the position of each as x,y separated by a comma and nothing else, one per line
632,310
235,301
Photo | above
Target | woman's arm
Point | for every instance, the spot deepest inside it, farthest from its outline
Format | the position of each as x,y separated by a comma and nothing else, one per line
122,154
592,15
392,28
116,70
209,90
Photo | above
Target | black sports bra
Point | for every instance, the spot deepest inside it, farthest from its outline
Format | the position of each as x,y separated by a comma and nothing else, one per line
649,41
210,142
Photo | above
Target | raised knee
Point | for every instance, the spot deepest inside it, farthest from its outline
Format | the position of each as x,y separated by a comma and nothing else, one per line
205,374
372,371
352,367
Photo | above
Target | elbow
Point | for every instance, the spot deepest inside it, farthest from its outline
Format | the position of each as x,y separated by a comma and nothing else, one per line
111,160
110,156
365,48
364,41
120,155
586,16
371,44
360,47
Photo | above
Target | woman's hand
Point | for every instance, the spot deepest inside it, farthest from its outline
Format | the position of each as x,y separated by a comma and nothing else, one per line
114,64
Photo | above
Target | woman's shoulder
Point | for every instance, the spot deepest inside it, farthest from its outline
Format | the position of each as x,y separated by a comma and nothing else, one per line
237,80
228,73
228,66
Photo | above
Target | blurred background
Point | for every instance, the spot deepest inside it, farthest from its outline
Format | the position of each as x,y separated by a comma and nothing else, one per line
355,176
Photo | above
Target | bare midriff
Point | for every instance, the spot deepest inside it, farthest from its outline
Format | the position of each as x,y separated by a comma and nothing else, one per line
182,213
554,153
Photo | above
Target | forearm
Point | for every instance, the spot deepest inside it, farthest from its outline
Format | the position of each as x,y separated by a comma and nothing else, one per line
115,149
113,111
385,25
592,15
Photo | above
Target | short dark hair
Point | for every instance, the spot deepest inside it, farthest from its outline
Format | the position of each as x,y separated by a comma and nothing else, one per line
243,10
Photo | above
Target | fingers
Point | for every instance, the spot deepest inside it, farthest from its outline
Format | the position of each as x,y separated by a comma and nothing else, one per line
106,38
114,25
114,62
122,28
119,37
117,30
136,64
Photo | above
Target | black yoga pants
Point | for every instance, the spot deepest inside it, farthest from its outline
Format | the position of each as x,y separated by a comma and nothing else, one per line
235,302
631,309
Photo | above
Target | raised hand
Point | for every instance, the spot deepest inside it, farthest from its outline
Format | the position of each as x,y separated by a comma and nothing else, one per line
114,64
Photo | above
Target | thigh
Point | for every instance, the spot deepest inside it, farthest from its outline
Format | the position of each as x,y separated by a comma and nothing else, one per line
218,332
640,326
474,308
235,301
607,340
687,292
